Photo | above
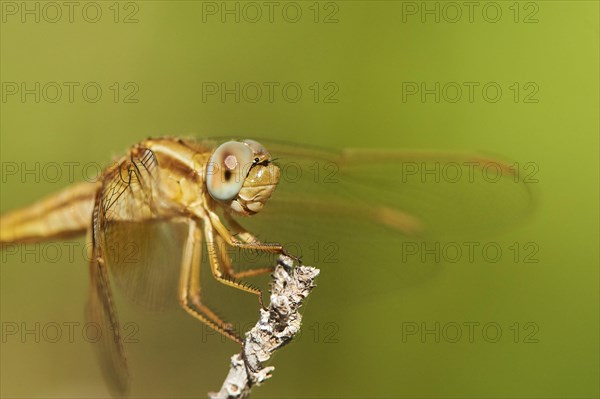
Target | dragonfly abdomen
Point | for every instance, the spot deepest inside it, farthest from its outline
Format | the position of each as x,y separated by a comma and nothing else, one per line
64,214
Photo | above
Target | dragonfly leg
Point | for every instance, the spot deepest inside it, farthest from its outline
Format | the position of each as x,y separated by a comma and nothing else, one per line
246,237
242,233
189,286
249,241
228,266
215,264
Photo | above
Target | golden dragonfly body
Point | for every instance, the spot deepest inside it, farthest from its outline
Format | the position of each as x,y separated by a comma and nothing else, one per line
159,179
203,184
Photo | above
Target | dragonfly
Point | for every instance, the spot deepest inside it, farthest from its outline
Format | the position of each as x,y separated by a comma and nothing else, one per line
207,186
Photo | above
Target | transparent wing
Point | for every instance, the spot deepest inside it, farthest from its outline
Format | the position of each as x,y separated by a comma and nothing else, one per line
366,195
142,251
101,313
144,260
127,189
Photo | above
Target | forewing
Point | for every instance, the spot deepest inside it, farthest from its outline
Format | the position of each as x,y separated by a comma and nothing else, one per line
144,260
127,188
102,314
452,194
142,250
365,194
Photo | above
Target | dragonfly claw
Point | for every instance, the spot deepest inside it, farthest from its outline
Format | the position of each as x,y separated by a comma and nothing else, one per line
262,304
295,258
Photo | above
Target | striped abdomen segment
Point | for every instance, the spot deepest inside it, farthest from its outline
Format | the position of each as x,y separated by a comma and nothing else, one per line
64,214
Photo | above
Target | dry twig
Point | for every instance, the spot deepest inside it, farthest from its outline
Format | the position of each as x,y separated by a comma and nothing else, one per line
275,328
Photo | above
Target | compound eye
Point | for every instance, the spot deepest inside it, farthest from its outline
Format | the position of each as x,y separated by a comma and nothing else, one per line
257,148
227,170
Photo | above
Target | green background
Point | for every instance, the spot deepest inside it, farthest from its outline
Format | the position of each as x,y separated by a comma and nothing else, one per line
368,52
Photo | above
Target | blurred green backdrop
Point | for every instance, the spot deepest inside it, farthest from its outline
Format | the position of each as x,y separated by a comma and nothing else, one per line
155,63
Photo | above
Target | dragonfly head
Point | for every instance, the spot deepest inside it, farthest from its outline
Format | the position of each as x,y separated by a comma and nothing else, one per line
241,176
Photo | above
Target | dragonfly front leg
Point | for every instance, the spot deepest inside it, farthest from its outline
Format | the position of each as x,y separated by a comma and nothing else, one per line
248,240
189,285
228,266
213,247
242,233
